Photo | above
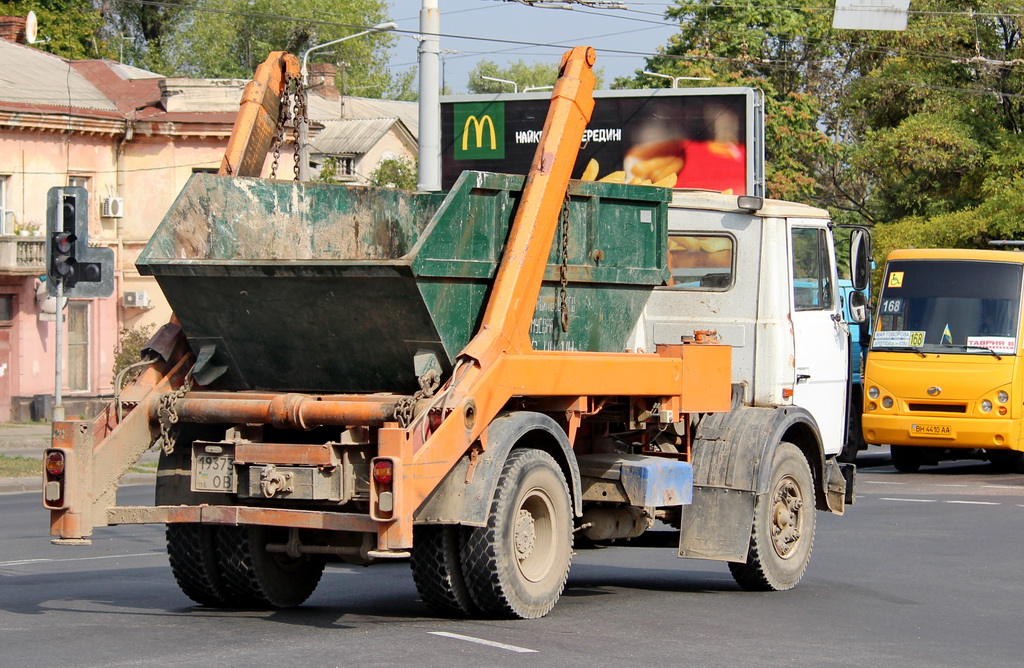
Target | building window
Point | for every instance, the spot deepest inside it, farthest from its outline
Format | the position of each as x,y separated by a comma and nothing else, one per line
78,346
7,220
6,309
79,181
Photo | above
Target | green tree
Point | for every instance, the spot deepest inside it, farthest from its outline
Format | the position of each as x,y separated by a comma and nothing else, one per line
229,38
395,173
525,75
73,28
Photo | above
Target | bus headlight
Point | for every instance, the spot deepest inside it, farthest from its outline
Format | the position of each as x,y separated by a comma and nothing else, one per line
1002,397
873,392
887,402
986,406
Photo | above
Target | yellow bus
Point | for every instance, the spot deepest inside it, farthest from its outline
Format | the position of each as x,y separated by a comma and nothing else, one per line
944,377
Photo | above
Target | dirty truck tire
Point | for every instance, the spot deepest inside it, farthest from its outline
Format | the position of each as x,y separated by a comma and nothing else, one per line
192,552
783,532
437,570
256,578
905,459
517,565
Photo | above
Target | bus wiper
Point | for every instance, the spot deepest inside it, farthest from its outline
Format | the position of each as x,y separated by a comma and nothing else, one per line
899,349
986,349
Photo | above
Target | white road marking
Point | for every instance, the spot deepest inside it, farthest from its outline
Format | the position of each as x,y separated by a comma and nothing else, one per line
976,503
23,562
892,498
879,482
1000,487
950,485
481,641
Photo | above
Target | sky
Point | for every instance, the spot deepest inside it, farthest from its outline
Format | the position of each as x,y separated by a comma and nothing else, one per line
468,27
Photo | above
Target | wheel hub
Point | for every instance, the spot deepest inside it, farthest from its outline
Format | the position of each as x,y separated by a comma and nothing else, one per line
787,503
525,535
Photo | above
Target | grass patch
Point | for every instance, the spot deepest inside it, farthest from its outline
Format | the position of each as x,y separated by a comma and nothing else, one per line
144,467
20,467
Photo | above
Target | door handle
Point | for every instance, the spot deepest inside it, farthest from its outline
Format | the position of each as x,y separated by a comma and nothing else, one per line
801,377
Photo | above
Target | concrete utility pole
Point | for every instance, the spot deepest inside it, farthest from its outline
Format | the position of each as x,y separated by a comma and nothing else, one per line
429,172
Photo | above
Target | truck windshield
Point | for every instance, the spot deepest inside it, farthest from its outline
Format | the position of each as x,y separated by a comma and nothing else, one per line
949,306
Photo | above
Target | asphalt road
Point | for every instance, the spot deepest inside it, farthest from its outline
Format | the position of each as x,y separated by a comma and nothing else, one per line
923,571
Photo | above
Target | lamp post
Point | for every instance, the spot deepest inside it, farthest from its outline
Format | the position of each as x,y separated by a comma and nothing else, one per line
515,86
675,80
304,122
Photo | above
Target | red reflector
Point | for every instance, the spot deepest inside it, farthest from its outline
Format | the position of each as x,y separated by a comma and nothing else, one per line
787,392
55,463
383,472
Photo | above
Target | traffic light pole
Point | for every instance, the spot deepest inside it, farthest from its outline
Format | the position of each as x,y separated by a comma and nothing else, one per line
58,375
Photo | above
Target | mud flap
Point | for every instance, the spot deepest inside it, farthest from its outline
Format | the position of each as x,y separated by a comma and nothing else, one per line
717,524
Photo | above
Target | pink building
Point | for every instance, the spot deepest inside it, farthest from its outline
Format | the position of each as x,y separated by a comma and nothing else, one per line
132,138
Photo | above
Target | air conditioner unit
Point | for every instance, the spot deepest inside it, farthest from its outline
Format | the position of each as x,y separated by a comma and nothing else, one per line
135,299
112,207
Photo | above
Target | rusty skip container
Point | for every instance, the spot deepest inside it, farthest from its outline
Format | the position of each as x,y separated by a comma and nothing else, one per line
334,289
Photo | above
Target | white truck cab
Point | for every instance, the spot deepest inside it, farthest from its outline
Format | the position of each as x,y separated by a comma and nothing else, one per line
763,275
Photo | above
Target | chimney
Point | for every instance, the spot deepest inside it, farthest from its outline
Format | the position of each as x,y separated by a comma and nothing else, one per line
321,80
12,28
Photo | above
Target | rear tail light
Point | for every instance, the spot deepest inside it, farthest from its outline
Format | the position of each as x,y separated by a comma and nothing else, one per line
55,462
383,472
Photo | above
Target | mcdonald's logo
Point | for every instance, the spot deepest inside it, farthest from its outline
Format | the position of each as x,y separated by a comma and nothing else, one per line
479,131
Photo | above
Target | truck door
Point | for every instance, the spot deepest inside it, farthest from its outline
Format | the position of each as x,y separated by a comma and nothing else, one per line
820,337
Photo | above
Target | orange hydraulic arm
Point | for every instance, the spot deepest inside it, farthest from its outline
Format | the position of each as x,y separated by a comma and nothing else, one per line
499,362
258,115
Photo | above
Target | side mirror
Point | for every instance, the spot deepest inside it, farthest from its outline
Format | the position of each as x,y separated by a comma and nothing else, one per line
860,258
858,307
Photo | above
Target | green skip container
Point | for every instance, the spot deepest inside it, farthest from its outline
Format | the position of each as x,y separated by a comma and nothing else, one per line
306,287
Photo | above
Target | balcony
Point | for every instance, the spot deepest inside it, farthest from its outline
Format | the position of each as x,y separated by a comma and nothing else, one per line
22,256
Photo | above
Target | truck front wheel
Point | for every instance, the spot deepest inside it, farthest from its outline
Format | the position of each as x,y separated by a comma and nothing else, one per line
257,578
783,530
517,565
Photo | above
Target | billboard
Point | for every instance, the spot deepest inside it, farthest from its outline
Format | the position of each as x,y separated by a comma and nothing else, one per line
711,138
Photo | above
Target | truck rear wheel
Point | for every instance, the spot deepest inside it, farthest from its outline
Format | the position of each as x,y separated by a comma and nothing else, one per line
437,570
783,532
192,553
260,579
517,565
905,458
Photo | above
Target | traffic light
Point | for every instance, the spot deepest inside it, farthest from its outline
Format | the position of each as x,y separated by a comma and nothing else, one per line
83,270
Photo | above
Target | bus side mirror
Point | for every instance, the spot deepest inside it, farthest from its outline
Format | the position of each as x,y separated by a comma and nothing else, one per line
858,307
860,258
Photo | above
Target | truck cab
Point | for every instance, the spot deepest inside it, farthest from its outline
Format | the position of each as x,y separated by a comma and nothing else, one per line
765,279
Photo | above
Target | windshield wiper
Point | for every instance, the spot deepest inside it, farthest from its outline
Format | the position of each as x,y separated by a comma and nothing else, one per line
986,349
899,349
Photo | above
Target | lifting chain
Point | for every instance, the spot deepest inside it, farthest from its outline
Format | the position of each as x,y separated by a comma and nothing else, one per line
167,415
405,409
300,116
284,108
563,269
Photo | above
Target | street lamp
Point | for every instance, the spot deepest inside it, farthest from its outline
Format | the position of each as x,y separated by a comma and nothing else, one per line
675,80
515,86
304,122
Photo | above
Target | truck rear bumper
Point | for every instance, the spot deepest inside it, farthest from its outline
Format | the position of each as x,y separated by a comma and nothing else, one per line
945,432
241,515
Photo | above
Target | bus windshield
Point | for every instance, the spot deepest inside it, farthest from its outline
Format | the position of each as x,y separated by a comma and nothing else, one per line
949,306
